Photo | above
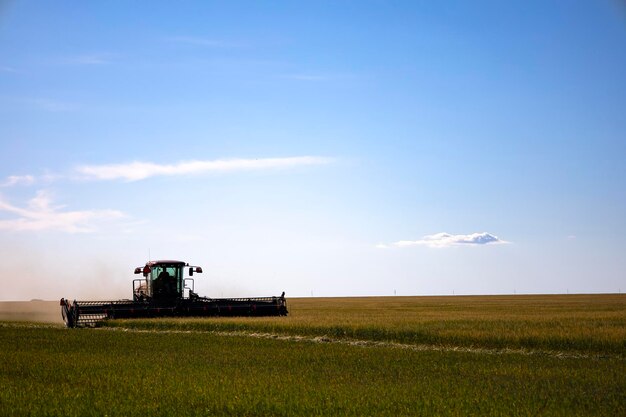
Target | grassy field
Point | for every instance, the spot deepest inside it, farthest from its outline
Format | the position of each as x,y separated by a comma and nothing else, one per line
564,323
446,356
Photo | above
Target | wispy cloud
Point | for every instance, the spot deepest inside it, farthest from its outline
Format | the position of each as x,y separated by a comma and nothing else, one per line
137,170
4,68
307,77
95,58
444,240
13,180
314,76
200,41
48,104
40,215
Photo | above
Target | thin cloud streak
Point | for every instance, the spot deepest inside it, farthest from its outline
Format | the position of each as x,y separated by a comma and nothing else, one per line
40,215
13,180
198,41
444,240
137,170
91,59
307,77
48,104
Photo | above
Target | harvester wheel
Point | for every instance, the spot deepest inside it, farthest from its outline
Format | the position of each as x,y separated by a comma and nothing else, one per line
67,313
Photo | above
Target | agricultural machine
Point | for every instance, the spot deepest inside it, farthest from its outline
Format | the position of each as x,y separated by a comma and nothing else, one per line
164,291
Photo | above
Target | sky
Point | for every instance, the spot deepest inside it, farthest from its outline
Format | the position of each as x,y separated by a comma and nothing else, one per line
324,148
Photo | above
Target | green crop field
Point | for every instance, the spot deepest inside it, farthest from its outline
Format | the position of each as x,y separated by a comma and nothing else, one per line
440,356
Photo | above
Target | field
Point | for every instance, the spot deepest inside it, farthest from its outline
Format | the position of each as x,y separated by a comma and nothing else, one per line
445,356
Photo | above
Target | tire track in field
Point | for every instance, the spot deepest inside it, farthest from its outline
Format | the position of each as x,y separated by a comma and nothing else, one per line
348,342
384,344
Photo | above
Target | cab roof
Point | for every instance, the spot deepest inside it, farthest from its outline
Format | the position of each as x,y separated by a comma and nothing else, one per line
166,262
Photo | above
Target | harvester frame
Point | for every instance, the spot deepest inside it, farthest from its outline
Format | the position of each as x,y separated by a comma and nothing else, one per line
163,292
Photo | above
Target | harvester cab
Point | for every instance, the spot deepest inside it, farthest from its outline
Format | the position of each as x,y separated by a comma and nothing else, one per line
163,280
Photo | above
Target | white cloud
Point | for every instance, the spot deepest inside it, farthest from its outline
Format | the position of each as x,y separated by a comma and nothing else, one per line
443,240
40,215
26,180
135,171
18,180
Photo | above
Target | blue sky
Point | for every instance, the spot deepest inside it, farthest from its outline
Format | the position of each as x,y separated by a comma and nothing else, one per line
326,149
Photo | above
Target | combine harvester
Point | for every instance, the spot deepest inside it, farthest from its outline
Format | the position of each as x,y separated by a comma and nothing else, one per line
164,292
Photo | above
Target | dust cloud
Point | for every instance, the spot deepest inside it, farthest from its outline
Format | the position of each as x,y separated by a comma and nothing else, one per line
32,311
28,273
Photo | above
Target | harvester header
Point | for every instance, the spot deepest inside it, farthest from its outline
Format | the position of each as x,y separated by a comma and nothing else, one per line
165,291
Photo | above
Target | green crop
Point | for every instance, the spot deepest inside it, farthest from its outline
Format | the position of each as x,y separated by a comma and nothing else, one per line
570,363
568,323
